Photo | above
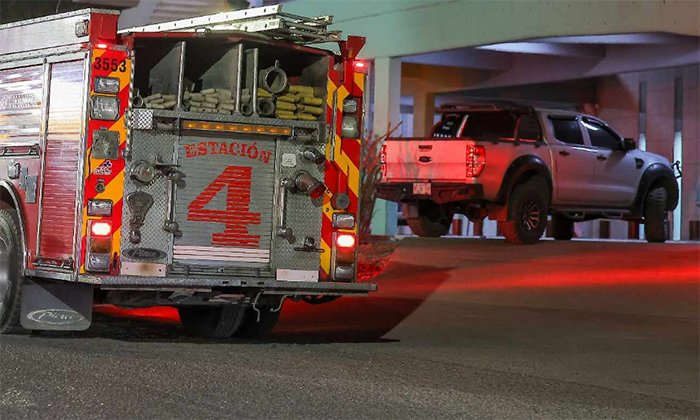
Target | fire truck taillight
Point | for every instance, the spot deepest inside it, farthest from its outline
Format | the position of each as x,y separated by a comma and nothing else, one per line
107,85
104,108
97,207
350,106
476,160
102,229
98,256
345,240
343,221
344,252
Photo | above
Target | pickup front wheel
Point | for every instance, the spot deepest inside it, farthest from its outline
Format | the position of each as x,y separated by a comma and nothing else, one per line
431,222
655,215
527,214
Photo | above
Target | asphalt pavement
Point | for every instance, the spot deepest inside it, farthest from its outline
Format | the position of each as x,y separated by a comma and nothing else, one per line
459,329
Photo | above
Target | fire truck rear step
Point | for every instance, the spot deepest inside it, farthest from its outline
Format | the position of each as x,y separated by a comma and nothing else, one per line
273,287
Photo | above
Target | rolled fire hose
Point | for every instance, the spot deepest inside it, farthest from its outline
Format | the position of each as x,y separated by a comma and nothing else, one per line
247,109
273,79
266,108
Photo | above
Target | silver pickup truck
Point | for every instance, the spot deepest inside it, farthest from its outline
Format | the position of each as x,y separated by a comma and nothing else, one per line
517,165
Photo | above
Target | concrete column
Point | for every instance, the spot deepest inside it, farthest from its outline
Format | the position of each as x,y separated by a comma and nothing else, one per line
423,113
387,103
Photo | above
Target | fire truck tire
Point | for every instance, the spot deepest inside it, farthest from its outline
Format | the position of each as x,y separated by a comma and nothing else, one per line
211,321
10,272
655,226
251,328
527,214
562,228
431,222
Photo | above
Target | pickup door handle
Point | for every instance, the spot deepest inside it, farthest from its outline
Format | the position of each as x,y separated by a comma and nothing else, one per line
425,159
425,147
564,153
601,158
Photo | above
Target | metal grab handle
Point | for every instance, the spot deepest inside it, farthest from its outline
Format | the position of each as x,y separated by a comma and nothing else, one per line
282,230
601,158
564,153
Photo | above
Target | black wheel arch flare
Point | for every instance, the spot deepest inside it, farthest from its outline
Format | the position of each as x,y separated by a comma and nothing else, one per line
657,174
521,169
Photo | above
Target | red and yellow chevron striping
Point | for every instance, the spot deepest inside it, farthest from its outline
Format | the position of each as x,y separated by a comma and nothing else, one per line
110,173
342,169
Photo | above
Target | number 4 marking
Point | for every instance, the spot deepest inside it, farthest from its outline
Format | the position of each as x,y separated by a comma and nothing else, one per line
237,217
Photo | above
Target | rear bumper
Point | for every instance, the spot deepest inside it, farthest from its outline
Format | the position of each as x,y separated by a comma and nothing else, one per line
440,192
271,287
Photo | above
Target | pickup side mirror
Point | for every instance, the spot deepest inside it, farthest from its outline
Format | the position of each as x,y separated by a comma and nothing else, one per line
630,144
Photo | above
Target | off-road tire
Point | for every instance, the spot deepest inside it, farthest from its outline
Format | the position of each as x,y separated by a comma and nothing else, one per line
251,328
431,222
527,213
211,321
562,228
655,226
11,277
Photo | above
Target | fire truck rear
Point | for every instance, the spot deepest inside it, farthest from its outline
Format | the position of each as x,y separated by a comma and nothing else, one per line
209,164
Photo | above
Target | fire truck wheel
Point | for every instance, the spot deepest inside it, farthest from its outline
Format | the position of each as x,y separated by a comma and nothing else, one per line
211,321
10,272
251,328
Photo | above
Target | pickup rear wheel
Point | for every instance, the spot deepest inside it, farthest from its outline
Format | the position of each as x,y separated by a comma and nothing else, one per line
211,321
562,228
431,222
655,215
527,214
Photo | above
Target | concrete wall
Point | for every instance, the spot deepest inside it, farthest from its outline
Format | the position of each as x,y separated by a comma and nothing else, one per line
398,28
618,97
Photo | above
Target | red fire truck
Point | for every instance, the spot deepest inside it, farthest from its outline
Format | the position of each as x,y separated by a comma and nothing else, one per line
210,164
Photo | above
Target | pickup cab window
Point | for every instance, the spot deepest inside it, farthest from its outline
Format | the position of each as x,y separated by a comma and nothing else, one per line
448,126
601,136
490,126
567,130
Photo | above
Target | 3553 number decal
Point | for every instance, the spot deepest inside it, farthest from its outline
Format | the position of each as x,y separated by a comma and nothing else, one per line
109,64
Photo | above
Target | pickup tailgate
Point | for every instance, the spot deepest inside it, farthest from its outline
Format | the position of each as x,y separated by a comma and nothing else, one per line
425,160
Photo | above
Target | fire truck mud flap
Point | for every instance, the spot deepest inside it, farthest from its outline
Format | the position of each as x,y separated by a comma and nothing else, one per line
268,286
56,306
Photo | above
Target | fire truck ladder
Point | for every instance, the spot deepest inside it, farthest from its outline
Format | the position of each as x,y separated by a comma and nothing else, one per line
268,20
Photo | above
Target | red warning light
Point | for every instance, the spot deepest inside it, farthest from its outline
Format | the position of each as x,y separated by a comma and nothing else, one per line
360,66
345,240
101,228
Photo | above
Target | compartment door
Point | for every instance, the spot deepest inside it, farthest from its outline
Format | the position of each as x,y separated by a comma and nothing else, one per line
225,209
62,156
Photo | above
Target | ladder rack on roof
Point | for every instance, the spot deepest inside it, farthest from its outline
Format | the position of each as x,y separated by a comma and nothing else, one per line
268,20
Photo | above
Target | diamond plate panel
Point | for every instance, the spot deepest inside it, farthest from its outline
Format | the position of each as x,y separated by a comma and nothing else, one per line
225,212
149,146
302,214
142,119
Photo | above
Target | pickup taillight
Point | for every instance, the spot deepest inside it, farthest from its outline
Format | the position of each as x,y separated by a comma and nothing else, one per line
382,160
476,160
